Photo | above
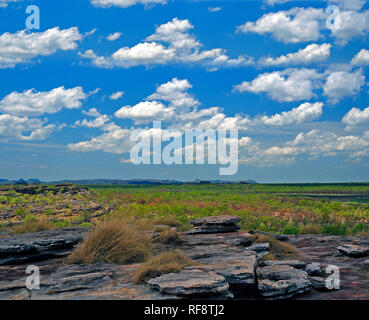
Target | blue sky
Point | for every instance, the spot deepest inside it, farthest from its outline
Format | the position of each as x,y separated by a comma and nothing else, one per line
290,76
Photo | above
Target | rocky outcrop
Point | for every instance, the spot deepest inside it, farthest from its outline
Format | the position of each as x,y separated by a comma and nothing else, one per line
59,281
282,281
231,257
192,282
30,247
353,250
216,224
238,269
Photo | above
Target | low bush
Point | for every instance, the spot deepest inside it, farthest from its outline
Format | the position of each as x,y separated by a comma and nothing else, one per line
310,229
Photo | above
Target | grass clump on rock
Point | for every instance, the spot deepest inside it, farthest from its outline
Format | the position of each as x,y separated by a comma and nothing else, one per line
167,262
113,241
169,236
278,249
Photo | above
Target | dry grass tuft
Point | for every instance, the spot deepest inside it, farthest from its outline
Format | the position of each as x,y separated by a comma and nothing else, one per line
310,229
113,241
167,262
169,236
278,249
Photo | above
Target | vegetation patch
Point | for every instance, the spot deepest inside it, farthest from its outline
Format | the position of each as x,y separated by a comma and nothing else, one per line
278,249
167,262
310,229
113,241
31,224
169,236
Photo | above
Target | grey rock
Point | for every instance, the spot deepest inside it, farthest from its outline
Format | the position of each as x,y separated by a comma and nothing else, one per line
216,220
280,237
314,269
320,283
282,282
28,247
238,268
192,282
366,262
261,249
214,229
77,282
293,263
215,224
353,250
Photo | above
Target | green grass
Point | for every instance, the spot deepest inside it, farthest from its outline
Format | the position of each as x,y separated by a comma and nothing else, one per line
340,209
279,208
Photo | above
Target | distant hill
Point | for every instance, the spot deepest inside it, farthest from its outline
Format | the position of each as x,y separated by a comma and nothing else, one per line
123,182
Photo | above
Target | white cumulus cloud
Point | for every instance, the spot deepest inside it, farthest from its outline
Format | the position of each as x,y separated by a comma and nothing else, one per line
283,86
23,46
340,84
305,112
313,53
292,26
35,103
361,59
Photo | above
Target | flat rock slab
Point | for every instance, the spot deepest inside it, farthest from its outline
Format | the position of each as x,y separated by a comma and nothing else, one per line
353,250
282,282
76,282
238,269
232,239
293,263
214,229
28,247
192,282
216,220
215,224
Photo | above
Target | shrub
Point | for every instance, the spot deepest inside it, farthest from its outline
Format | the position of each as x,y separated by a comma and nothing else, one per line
167,262
290,230
84,225
113,241
20,212
310,229
336,229
60,224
